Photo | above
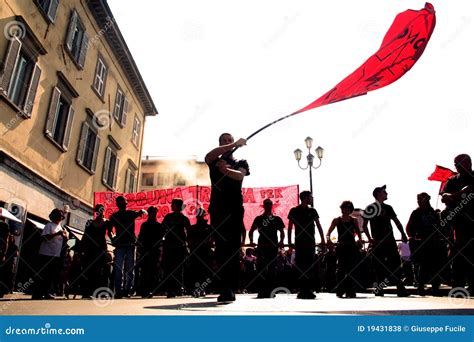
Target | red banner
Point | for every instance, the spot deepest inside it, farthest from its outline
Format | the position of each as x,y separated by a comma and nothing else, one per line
194,197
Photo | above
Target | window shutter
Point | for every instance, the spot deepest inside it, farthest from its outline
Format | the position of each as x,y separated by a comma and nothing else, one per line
9,63
67,131
118,101
96,153
139,127
30,95
117,162
72,28
134,180
53,9
53,109
108,153
127,180
83,52
82,143
126,104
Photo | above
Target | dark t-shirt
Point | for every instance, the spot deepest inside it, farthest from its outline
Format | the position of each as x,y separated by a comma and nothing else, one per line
94,237
151,233
462,210
303,218
226,193
380,224
175,225
424,224
346,231
124,223
268,227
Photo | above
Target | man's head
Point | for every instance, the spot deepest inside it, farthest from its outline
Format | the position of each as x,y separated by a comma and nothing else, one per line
268,205
152,211
99,209
463,164
177,205
306,198
380,193
226,139
423,200
121,202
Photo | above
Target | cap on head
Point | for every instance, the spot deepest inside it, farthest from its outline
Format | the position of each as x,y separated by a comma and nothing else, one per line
378,190
56,214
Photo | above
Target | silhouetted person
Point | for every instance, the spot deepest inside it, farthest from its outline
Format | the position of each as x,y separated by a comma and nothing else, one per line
347,250
423,229
227,212
149,242
385,256
174,248
304,218
4,239
199,262
458,195
93,247
124,242
268,226
50,263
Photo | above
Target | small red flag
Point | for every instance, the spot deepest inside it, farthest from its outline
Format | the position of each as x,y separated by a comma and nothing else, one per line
403,44
441,174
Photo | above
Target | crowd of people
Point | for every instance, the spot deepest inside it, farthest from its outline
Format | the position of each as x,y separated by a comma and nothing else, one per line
175,258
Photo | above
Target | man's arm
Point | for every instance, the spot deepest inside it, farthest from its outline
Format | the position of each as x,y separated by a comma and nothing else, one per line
243,234
356,224
237,175
400,228
218,151
290,231
320,230
365,228
251,231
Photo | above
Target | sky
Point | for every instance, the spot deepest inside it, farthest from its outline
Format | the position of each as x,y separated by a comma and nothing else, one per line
228,66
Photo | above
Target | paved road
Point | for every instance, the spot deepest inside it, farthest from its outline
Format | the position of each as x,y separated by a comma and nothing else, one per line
246,304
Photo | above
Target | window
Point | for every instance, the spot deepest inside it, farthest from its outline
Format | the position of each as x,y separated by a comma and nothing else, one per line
109,176
59,120
163,179
88,148
136,131
20,77
131,180
49,8
121,108
100,77
77,40
147,179
179,180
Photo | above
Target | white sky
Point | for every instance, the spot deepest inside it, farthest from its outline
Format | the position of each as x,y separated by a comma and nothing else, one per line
215,66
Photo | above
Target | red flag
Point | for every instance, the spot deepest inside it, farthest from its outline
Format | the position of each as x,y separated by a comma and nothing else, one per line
441,174
403,44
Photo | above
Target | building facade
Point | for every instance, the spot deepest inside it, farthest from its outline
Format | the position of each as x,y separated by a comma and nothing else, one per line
162,172
72,108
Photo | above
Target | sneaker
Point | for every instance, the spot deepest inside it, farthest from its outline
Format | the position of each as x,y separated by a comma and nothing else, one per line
379,293
306,295
402,292
226,297
351,294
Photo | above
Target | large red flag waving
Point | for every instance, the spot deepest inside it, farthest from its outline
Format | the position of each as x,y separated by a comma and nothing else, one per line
403,44
441,174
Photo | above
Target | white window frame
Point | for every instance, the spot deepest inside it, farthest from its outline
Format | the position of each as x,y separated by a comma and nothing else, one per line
100,76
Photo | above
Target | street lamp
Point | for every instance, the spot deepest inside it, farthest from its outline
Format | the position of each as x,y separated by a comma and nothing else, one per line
310,159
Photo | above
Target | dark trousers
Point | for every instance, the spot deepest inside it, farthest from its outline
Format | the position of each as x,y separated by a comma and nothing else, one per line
387,263
148,270
173,262
347,258
428,254
48,271
228,236
266,269
93,277
463,261
304,258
